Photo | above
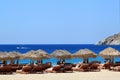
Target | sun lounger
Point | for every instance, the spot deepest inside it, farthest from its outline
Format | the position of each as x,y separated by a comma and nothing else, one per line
94,67
5,70
25,69
81,67
47,65
67,67
37,68
54,69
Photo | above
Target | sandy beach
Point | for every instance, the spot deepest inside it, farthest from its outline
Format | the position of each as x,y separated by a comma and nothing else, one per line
103,74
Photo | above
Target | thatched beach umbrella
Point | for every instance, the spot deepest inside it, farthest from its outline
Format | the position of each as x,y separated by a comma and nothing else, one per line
61,54
43,54
14,56
4,57
85,54
29,54
37,55
109,53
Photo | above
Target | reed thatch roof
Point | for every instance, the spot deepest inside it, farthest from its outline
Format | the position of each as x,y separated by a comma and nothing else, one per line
39,54
84,53
63,54
4,56
109,52
14,55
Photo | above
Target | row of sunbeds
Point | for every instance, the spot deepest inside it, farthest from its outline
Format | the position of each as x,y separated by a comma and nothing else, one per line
112,66
60,68
47,67
24,68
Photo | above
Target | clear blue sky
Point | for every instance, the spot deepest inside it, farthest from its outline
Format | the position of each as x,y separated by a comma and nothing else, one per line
58,21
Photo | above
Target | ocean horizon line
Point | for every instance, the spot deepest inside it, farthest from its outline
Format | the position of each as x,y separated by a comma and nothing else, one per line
59,44
46,44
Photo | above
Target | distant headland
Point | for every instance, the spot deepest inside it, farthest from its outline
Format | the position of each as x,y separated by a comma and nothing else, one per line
111,40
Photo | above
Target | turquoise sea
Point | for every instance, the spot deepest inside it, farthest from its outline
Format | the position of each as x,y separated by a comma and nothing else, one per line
49,48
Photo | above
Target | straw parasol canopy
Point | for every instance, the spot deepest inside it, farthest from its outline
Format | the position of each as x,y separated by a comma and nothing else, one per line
61,54
39,54
85,54
30,54
14,55
36,55
4,56
109,53
43,54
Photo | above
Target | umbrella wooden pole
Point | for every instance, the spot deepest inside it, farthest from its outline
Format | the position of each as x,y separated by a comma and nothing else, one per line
11,62
4,62
60,60
17,61
37,61
31,61
63,61
112,60
41,61
85,60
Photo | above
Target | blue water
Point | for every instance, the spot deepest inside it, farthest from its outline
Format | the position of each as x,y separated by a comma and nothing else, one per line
72,48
